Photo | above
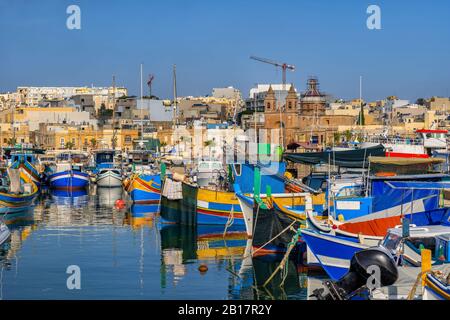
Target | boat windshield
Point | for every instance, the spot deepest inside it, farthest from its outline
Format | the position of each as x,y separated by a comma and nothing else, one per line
391,241
104,157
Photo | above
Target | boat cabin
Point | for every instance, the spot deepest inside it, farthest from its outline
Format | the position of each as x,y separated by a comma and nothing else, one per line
433,139
104,158
140,157
434,238
210,172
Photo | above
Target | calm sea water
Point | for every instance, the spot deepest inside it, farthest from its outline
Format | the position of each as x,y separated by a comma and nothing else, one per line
127,254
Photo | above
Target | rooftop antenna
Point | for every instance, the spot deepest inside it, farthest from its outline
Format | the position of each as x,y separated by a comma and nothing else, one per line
149,84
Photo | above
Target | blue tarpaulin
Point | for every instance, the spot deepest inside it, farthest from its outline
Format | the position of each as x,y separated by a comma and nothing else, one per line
419,185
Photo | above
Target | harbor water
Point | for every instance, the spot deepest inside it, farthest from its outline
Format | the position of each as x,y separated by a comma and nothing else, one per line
126,253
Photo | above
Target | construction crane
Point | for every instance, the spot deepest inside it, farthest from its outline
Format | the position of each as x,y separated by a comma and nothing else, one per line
283,66
149,84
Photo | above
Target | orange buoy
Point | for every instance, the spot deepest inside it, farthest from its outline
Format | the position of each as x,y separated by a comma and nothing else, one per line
120,204
203,268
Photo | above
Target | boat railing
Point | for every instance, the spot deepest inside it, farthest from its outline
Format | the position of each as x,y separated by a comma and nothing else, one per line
395,140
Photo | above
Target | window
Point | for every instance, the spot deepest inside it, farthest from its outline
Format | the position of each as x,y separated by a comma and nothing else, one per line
268,105
127,139
290,105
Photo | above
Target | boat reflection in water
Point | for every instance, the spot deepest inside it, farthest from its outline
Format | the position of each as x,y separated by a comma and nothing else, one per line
107,197
289,283
70,198
21,225
182,246
141,215
19,219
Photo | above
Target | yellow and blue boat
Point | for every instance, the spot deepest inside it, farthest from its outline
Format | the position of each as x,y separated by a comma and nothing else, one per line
25,160
17,200
436,288
144,188
218,208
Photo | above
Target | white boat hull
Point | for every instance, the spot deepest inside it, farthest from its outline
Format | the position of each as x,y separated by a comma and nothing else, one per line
109,180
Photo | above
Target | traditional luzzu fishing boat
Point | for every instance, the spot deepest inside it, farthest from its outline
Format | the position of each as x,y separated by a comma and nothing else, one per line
203,197
67,173
395,188
144,187
106,173
360,215
26,161
275,216
15,195
334,248
437,286
217,203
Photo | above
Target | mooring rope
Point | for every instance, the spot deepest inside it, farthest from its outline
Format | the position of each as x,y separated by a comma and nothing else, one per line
285,258
412,293
283,231
230,220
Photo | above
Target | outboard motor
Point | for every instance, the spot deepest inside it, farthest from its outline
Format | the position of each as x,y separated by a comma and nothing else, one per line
364,265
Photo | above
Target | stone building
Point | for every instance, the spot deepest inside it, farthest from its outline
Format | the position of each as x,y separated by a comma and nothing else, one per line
302,120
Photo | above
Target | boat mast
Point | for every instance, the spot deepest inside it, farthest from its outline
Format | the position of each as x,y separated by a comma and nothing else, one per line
361,115
142,110
13,141
175,113
113,139
254,116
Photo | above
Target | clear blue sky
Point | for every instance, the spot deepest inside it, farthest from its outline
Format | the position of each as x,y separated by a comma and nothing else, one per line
210,41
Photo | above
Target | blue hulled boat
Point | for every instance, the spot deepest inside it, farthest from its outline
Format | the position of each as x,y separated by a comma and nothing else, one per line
68,174
335,251
144,188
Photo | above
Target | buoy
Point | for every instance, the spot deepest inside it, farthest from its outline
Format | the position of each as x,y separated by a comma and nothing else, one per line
203,268
120,203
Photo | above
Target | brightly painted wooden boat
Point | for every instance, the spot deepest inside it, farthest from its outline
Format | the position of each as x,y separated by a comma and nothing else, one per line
218,208
436,288
26,163
292,205
11,202
144,188
334,252
69,180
